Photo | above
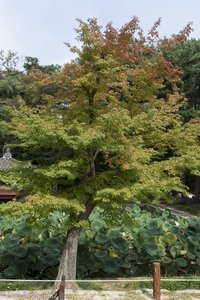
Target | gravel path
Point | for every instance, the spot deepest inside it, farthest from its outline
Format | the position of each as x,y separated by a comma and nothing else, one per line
101,295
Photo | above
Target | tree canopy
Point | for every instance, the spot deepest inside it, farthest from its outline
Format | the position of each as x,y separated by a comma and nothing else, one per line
103,136
186,56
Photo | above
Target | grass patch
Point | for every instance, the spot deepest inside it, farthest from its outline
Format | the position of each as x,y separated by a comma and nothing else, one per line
183,285
90,286
140,285
108,286
115,286
173,296
28,286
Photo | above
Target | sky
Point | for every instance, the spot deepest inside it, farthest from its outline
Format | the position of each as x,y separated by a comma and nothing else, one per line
39,28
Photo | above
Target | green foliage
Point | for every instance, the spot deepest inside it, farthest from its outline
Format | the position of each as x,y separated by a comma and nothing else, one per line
31,247
97,134
129,245
101,133
186,56
31,63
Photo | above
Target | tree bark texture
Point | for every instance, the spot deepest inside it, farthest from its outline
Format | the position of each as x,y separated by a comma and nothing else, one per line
68,260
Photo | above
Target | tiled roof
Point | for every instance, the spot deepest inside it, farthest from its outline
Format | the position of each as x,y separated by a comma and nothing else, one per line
7,162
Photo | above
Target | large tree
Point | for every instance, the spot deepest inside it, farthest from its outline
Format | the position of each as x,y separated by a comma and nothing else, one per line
11,86
105,137
187,56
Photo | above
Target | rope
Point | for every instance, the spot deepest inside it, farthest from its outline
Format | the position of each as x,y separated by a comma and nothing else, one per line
103,280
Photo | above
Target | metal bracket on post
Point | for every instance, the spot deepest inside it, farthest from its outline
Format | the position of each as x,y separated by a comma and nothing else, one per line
156,281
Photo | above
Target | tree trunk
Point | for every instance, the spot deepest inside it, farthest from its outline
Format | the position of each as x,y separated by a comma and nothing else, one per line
68,260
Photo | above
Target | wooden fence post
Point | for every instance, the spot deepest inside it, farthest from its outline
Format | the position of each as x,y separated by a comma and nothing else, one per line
156,281
62,289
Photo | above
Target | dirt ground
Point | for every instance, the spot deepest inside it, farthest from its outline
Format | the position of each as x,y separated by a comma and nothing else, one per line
101,295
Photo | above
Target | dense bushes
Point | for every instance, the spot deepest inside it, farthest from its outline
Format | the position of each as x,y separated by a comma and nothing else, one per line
108,246
29,247
138,239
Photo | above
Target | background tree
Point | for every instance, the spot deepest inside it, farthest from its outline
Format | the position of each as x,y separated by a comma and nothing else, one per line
15,84
11,86
107,138
186,56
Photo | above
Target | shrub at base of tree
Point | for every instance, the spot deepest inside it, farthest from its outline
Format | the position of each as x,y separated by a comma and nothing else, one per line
108,247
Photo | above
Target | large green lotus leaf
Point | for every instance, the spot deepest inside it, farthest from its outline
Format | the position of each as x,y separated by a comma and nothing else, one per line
24,230
191,248
82,239
175,230
10,242
153,225
52,243
198,261
194,224
137,225
166,226
3,247
101,238
10,272
21,266
113,233
111,267
8,224
52,251
136,209
161,250
19,251
167,260
183,252
33,249
170,238
44,233
193,240
157,231
7,259
181,262
100,254
197,254
139,242
97,225
176,249
152,249
113,253
190,256
50,260
18,269
166,213
119,243
89,234
173,252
